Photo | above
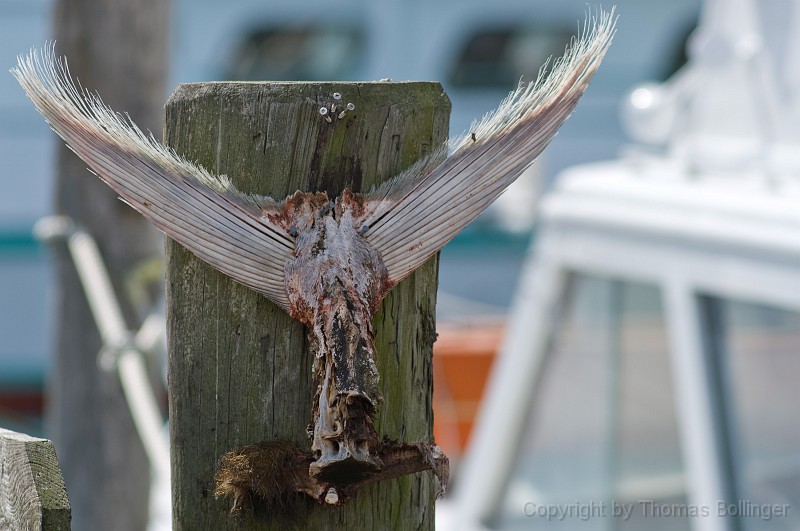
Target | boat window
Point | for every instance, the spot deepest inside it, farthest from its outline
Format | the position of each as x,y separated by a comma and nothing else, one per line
499,57
298,53
602,433
759,360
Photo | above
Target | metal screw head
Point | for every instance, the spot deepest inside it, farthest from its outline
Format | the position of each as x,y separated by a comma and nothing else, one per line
337,96
351,107
323,111
332,497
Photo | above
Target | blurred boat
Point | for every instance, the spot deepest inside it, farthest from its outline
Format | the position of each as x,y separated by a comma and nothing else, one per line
647,378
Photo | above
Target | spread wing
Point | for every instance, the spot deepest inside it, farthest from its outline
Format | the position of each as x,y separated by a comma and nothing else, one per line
205,213
419,211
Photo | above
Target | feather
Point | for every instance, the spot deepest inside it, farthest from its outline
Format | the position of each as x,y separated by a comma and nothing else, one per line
415,214
328,267
205,213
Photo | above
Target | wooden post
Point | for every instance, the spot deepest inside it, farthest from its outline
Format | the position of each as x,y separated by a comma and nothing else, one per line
32,493
118,49
239,369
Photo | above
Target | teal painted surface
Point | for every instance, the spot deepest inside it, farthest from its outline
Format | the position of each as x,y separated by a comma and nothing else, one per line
19,242
478,273
25,287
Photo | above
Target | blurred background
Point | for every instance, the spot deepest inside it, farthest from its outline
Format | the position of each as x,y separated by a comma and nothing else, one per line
603,417
478,51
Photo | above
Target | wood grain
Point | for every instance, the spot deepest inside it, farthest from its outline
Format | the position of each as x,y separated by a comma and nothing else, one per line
32,492
239,369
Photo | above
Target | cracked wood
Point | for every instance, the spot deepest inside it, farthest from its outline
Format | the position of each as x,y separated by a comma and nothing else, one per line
227,394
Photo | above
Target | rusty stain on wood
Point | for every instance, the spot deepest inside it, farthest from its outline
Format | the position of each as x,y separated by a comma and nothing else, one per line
240,370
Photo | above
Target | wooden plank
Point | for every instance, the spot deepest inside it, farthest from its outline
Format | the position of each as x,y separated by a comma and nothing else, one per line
32,492
240,372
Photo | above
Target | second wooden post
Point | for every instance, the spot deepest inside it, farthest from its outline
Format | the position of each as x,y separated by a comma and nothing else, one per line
239,369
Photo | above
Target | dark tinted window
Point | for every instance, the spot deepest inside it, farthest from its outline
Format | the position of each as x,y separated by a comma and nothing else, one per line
304,53
499,57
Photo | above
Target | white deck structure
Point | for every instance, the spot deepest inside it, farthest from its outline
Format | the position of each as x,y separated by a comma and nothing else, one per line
708,213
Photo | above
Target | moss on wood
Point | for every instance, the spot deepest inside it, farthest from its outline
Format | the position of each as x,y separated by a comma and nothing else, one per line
239,369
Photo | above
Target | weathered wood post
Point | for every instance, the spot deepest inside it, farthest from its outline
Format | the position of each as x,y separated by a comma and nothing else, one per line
32,492
239,369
